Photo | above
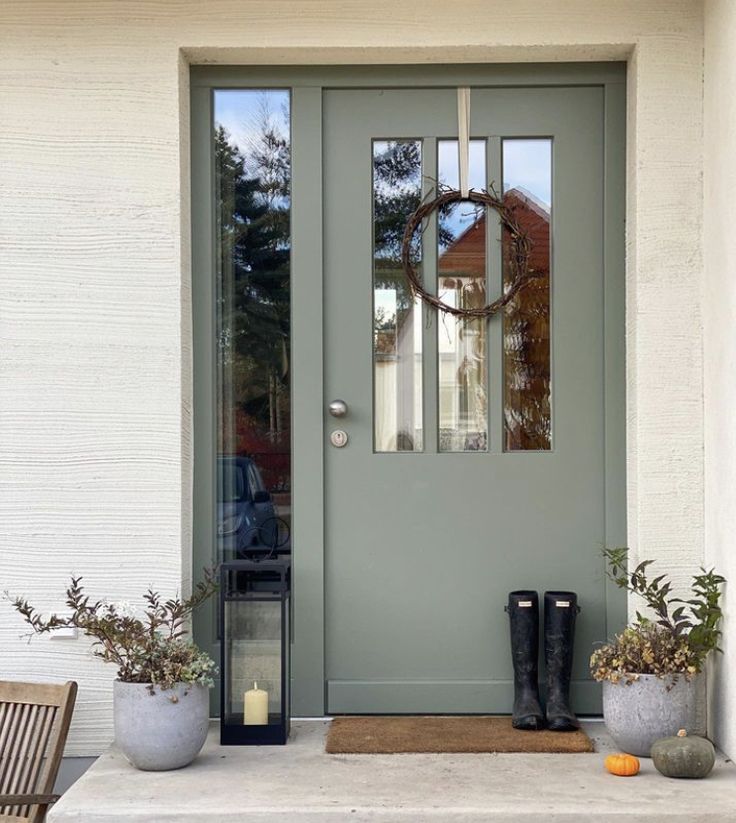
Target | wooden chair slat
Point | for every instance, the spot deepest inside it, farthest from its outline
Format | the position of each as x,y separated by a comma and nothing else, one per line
44,741
34,722
8,718
6,732
14,757
26,744
46,716
16,741
33,743
7,759
18,766
5,709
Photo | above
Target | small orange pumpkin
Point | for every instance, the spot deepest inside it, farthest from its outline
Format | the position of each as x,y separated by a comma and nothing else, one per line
623,765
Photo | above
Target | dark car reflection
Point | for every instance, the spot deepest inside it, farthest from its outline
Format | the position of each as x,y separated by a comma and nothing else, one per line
247,520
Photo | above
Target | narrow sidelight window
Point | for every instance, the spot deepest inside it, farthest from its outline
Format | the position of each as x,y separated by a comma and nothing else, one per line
252,151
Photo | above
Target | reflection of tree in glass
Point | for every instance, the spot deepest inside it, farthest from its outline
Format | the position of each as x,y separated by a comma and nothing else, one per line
397,187
383,320
397,192
253,298
526,335
384,328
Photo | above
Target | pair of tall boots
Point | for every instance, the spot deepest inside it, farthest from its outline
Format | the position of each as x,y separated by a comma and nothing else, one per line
560,611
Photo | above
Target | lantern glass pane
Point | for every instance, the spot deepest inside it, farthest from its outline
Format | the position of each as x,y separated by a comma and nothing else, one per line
253,635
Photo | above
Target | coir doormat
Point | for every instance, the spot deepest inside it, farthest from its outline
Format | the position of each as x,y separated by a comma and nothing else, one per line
450,735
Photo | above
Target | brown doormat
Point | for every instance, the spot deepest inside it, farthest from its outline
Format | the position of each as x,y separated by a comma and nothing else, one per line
452,735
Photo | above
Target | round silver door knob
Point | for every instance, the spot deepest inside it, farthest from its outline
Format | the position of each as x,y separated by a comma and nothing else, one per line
338,408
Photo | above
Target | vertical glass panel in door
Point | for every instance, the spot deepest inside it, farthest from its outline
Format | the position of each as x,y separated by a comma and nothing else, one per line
397,315
251,134
463,368
527,186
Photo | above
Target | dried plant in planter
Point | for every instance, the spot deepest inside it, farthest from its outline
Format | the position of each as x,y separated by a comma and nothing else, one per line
679,637
151,648
643,649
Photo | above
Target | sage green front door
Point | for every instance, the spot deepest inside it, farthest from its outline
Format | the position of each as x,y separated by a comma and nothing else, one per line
475,456
478,457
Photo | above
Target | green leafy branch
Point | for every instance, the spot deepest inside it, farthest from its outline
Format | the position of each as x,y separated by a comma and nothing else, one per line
147,649
697,619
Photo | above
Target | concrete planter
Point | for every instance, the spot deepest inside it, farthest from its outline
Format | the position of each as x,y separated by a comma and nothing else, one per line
638,713
160,731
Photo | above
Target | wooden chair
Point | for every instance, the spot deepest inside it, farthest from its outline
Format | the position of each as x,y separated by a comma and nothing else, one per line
34,722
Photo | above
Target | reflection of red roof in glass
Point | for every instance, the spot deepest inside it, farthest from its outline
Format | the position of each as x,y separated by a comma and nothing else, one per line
466,255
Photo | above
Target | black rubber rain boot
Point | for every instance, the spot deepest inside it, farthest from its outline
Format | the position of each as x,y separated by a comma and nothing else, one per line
560,611
523,610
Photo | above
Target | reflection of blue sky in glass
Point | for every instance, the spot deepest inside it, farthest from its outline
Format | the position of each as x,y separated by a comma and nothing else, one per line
527,164
448,163
461,216
244,112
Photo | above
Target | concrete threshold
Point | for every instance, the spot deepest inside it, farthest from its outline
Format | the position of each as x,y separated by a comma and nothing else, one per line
299,782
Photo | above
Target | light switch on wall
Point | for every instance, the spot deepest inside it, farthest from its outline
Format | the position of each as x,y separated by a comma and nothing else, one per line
63,632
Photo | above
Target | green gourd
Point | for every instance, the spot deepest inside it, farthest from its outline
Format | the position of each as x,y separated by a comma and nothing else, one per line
683,756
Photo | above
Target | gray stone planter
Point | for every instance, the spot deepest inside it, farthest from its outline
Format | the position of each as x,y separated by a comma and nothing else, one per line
648,709
161,731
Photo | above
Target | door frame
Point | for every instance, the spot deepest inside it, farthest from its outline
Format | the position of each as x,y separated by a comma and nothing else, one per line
308,441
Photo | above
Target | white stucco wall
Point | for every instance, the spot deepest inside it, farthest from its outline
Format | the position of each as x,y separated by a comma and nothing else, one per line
720,343
95,465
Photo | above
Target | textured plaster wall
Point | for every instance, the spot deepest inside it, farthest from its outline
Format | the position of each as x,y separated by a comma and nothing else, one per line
720,343
95,429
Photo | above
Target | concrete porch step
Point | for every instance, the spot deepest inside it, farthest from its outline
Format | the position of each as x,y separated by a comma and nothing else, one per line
300,783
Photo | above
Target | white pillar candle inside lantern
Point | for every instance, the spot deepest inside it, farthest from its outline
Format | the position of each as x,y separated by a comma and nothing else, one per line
255,706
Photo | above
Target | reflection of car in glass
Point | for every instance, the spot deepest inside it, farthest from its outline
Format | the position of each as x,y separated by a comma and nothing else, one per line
246,517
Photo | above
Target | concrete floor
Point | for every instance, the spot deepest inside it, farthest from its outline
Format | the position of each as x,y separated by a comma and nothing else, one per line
300,783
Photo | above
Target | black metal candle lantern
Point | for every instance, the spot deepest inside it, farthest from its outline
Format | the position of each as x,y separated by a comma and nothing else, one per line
254,651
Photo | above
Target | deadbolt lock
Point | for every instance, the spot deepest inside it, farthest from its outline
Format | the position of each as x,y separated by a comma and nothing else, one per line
339,438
